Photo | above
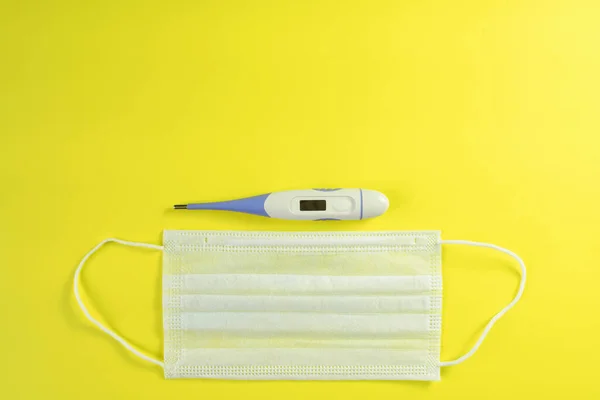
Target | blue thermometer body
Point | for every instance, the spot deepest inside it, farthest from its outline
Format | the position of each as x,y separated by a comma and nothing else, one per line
310,204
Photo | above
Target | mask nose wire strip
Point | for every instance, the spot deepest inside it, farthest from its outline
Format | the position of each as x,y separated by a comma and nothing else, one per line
503,311
84,309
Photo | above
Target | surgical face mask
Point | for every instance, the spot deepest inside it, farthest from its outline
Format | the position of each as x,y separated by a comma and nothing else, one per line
301,305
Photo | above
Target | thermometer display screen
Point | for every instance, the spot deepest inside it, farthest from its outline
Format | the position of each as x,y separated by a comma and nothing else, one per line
313,205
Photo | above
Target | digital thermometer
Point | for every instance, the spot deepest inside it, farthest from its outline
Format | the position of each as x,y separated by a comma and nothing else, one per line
310,204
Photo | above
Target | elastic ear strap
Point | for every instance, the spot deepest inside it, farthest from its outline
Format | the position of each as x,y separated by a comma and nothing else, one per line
503,311
94,321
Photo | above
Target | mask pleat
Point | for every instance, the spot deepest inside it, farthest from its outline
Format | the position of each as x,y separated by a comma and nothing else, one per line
302,356
366,304
299,284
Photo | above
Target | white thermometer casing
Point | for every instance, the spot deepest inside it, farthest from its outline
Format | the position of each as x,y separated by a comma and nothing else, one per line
326,204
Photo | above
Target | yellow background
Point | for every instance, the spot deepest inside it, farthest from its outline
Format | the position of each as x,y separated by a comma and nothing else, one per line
478,118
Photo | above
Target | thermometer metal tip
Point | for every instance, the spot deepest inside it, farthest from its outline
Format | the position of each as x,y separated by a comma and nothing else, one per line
180,207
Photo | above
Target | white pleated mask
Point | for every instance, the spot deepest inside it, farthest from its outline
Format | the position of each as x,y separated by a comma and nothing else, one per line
302,305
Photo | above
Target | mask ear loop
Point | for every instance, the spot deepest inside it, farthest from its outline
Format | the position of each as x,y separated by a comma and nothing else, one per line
94,321
499,315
